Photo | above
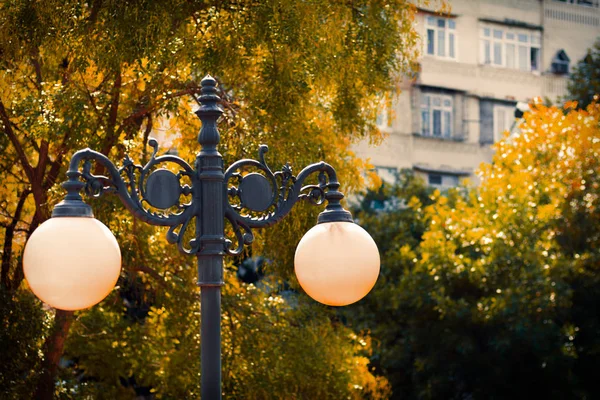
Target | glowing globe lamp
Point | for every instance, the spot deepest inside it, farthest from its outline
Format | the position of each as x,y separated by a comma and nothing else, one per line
337,263
72,263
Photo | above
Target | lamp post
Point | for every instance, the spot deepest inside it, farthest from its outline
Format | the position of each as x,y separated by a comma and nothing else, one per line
72,261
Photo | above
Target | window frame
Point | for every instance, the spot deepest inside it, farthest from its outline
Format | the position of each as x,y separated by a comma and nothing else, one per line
444,178
583,3
388,175
509,120
561,58
447,30
385,114
510,37
430,108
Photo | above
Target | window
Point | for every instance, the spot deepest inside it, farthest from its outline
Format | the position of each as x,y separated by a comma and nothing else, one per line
504,118
435,179
510,48
385,116
587,3
387,174
441,37
560,63
442,180
436,115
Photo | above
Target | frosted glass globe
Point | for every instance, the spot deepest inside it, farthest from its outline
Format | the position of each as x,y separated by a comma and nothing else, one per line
337,263
72,263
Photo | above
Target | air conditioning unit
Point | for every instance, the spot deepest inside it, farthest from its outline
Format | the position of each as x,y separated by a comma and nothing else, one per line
560,68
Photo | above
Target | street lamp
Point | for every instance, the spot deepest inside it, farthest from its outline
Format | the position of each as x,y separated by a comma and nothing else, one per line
72,261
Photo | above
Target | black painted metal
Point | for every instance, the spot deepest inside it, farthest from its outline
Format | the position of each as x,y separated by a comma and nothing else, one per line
291,190
211,233
162,189
334,212
256,192
210,338
72,205
214,198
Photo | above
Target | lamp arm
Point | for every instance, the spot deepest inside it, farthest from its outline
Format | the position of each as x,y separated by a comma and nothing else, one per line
263,208
160,206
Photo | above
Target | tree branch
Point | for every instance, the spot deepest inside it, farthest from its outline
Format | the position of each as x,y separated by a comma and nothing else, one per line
146,136
15,142
35,61
150,271
16,230
27,136
11,163
96,6
53,350
42,161
114,104
91,98
35,222
57,163
9,234
112,116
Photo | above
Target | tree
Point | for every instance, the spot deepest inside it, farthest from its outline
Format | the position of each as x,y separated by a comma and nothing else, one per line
302,76
584,82
394,214
496,295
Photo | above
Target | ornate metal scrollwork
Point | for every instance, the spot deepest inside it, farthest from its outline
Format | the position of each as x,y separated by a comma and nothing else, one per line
268,196
143,188
263,197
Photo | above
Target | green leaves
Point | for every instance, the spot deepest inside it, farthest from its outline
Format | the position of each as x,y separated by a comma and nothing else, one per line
303,77
584,81
499,282
23,326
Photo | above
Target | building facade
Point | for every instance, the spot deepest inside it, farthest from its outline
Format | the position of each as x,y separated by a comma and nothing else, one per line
476,64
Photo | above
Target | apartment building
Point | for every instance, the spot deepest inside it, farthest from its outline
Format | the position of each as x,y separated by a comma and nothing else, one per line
476,64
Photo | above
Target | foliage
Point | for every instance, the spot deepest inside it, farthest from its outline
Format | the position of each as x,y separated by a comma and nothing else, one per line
584,81
394,217
271,344
500,298
24,325
303,77
306,335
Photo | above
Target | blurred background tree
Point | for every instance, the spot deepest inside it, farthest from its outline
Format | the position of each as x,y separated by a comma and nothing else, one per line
304,77
584,81
394,216
493,292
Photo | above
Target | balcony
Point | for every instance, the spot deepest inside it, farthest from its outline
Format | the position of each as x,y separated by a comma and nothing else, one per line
480,80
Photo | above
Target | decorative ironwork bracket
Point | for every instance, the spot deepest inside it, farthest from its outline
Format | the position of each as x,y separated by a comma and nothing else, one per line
144,190
270,197
154,195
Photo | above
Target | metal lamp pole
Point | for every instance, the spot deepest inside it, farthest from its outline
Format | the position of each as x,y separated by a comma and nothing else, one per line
153,195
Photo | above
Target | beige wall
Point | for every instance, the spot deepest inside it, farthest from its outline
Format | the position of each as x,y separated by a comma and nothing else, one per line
573,28
406,151
570,27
